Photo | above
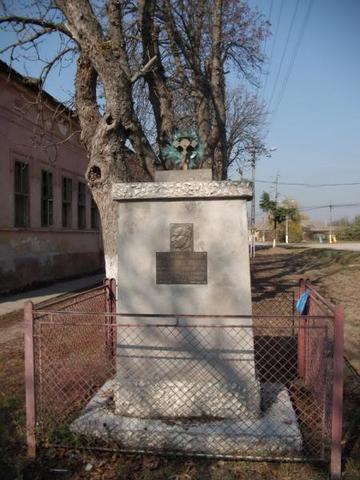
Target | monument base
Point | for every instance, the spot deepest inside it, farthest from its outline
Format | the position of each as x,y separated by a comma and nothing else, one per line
172,399
186,368
275,432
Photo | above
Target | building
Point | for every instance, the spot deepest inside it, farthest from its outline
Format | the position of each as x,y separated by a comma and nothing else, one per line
49,224
319,231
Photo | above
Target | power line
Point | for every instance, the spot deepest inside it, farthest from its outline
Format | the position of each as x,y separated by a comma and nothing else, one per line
332,205
274,42
284,51
265,43
295,53
320,207
311,185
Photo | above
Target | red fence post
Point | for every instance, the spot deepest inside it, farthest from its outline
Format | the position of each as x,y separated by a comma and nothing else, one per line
112,287
107,295
301,337
337,396
29,379
108,319
110,296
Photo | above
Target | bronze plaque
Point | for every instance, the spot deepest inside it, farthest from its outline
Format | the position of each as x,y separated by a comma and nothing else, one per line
181,267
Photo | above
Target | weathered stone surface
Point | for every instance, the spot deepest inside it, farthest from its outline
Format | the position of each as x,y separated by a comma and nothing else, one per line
187,398
220,229
181,190
161,361
275,432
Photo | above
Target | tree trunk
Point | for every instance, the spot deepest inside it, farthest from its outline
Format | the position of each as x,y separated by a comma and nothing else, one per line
109,229
110,161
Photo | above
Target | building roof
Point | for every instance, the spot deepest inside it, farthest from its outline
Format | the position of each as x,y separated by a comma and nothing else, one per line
33,84
135,171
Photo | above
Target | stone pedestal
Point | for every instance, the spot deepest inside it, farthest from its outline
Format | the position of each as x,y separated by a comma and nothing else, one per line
183,252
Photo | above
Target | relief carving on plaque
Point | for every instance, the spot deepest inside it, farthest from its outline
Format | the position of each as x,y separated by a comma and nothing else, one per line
181,237
181,265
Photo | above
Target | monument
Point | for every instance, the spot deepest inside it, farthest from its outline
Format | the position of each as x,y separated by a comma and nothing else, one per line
185,369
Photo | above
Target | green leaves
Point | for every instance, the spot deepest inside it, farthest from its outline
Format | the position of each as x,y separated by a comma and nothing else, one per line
278,211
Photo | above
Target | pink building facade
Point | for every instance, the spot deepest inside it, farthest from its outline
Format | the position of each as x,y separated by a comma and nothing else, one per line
49,224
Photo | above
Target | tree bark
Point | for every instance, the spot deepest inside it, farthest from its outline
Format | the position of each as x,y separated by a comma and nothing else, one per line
179,48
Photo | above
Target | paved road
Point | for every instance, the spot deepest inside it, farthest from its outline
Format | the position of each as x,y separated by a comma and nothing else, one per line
351,246
16,302
12,328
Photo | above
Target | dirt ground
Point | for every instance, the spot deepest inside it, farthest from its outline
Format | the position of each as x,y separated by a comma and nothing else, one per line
336,273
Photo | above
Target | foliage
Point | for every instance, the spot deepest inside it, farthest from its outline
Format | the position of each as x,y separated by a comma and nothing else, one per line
278,211
348,230
295,232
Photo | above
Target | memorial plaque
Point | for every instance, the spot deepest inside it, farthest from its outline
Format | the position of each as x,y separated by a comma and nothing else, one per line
181,268
181,265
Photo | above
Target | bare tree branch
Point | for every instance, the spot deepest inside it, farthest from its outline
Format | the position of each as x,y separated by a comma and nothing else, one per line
145,69
49,26
165,60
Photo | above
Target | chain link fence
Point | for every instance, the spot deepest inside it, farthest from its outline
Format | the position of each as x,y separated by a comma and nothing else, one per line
259,387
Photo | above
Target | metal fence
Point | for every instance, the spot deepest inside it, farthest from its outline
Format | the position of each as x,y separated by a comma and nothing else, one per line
263,387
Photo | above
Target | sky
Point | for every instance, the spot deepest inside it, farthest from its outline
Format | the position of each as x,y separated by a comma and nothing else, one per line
311,89
316,127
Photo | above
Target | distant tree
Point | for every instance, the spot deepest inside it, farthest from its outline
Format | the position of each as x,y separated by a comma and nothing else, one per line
348,230
166,60
295,228
342,222
278,212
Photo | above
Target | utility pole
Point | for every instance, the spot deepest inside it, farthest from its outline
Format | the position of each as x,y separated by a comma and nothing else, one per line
253,205
253,202
276,187
330,223
276,200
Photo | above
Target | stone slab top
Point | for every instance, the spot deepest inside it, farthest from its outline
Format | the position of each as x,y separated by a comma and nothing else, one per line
216,190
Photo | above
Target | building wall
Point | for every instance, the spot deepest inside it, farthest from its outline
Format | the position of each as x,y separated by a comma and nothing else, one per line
41,137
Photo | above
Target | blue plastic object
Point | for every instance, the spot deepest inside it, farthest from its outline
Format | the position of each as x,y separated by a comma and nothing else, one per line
301,304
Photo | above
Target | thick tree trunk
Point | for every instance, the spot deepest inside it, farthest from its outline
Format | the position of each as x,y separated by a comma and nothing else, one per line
110,161
109,228
124,167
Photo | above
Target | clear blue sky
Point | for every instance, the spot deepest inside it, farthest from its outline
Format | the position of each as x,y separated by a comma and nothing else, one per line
316,126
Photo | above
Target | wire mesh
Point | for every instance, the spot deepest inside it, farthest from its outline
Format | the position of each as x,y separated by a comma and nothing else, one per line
215,386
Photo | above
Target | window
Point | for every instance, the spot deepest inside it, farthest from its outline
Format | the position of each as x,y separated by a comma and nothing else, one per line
81,205
66,202
94,216
46,198
21,191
